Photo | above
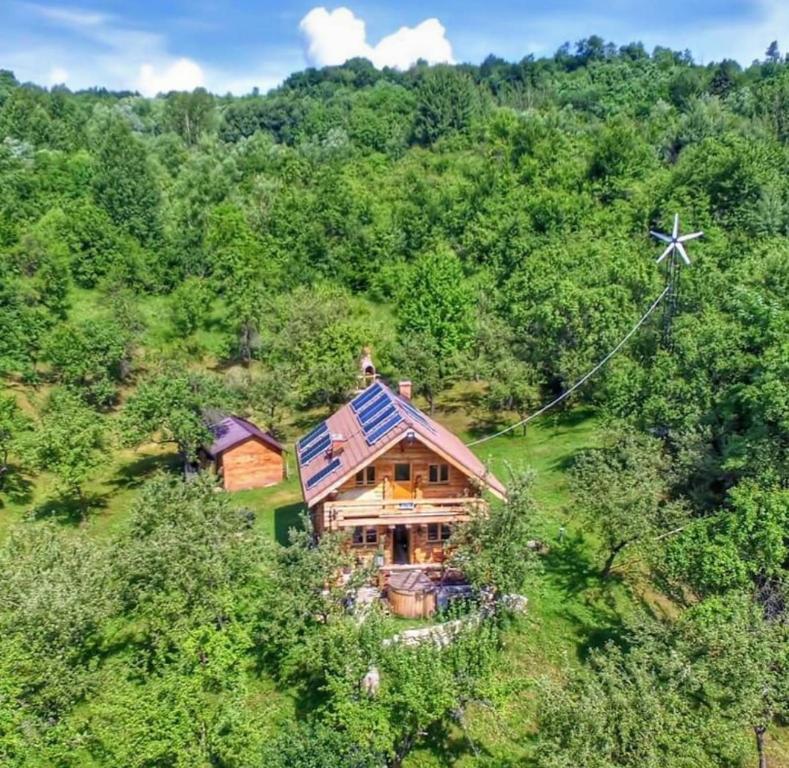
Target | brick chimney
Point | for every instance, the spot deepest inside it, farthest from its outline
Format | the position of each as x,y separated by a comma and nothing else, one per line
404,388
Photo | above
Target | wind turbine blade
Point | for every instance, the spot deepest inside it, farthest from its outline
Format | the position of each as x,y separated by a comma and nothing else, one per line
691,236
676,225
660,236
665,253
681,249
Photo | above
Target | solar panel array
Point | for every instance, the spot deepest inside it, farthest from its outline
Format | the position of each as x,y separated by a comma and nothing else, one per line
417,414
378,412
308,438
363,398
314,444
321,474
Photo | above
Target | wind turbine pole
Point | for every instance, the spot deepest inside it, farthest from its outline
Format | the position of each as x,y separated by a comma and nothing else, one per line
672,299
675,250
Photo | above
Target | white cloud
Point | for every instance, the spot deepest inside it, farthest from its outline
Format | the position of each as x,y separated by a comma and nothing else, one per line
105,49
409,44
181,75
71,17
333,37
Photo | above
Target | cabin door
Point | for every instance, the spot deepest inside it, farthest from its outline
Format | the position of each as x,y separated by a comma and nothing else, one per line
401,554
402,481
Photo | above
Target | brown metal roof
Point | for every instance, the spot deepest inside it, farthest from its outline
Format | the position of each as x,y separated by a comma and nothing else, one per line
358,452
234,430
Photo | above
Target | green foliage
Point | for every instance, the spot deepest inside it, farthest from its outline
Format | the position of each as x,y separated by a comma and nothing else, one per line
189,114
96,248
188,557
314,337
91,357
12,425
190,303
67,442
678,695
447,102
242,272
632,708
124,184
436,302
485,223
622,487
301,595
493,549
172,406
58,593
513,387
736,547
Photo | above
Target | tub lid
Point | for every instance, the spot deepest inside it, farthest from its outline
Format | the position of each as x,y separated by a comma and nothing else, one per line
411,581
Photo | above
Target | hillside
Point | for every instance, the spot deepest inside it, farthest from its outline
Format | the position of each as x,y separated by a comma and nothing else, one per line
485,231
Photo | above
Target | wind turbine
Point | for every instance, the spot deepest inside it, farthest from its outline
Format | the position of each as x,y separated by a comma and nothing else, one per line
675,241
675,246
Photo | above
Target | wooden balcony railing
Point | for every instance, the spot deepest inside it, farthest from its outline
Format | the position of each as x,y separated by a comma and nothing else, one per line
343,513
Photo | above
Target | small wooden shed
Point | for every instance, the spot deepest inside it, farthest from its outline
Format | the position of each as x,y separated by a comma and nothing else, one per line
245,456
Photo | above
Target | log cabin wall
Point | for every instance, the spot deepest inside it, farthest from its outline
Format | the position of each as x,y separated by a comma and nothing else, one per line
251,464
384,486
421,551
419,457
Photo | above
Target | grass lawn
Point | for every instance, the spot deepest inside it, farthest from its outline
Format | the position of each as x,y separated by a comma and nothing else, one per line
571,610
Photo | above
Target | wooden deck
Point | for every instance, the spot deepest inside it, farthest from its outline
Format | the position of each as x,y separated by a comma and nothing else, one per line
348,513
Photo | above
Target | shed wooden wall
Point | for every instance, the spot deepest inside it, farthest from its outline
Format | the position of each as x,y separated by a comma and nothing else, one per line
251,464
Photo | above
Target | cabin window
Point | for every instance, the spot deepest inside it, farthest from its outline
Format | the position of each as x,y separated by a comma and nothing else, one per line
366,476
402,473
438,531
438,473
362,536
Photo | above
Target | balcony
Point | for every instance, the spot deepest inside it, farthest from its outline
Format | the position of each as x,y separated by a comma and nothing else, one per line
346,513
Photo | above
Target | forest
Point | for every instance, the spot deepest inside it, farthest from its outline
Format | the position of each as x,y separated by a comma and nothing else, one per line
485,231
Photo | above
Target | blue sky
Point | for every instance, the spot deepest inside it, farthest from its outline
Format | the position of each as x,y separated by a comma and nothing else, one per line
237,44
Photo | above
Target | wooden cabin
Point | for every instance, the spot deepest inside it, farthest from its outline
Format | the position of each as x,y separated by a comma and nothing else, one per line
395,478
245,456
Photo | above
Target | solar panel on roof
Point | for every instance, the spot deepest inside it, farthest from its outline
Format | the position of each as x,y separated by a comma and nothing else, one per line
417,414
323,473
307,447
382,415
373,408
375,435
308,438
361,400
317,448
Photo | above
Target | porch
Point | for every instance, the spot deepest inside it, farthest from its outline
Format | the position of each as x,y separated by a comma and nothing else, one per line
350,513
401,535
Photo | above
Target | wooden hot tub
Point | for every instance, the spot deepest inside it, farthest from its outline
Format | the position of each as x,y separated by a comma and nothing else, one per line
412,595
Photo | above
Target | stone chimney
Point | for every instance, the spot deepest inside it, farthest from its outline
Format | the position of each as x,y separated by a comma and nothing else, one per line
404,388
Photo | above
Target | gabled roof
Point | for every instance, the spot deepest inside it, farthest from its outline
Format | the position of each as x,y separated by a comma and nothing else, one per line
234,430
370,424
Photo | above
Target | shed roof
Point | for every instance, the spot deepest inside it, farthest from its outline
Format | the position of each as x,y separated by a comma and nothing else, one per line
321,472
233,430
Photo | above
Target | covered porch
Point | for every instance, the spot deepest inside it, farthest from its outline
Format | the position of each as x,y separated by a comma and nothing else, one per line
407,533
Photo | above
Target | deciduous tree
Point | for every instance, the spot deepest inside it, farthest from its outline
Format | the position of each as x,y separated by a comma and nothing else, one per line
172,407
67,442
622,488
